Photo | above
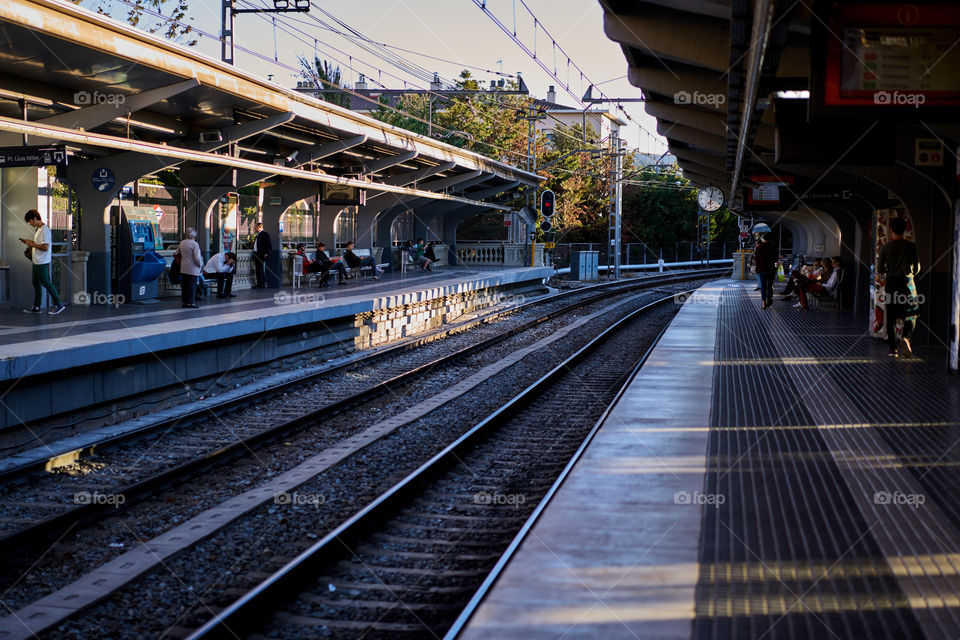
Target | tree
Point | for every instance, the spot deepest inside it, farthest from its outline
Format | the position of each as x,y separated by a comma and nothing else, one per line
324,75
580,181
165,17
660,209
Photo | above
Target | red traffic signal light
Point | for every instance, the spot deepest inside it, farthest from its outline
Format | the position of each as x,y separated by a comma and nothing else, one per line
547,202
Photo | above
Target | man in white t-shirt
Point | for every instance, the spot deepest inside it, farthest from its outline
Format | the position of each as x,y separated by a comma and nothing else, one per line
42,252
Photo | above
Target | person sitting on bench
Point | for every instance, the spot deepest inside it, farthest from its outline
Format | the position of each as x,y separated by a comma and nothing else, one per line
321,265
354,261
221,266
812,286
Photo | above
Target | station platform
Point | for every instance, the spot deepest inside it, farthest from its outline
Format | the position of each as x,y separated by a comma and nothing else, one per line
123,350
767,474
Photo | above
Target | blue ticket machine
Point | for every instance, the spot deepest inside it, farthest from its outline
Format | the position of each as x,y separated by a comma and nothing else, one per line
136,264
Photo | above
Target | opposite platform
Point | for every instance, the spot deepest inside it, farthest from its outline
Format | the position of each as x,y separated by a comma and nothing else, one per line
768,474
93,355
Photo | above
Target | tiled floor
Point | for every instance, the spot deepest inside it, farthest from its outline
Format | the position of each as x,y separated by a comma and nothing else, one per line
770,474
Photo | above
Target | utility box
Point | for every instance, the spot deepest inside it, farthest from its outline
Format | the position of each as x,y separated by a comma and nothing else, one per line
584,265
741,264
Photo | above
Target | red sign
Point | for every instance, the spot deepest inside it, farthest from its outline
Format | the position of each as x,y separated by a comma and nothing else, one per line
768,191
507,222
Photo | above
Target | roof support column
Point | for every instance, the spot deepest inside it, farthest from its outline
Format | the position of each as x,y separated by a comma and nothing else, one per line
277,198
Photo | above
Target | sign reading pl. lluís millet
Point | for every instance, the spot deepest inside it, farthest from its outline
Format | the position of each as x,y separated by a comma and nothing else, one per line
33,156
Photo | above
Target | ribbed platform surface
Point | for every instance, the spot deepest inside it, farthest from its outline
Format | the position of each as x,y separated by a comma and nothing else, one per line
828,502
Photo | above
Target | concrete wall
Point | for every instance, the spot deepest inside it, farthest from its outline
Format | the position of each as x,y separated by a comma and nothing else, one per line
114,378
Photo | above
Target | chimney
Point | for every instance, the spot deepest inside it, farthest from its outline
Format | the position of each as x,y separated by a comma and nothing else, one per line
361,84
551,94
435,85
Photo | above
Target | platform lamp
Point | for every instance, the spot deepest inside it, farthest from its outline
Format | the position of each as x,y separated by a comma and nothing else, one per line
228,11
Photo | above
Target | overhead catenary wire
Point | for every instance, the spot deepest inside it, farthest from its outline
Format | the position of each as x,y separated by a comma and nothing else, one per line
298,71
538,24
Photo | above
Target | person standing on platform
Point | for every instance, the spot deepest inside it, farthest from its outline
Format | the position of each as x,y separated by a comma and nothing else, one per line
899,262
262,248
41,255
191,265
765,257
221,266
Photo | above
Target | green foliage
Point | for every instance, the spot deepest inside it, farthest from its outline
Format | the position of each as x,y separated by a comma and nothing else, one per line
663,210
173,24
484,123
323,75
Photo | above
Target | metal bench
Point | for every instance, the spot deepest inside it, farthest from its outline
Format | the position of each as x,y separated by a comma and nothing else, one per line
364,253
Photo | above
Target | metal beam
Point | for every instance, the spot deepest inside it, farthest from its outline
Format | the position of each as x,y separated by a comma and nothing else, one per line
466,184
492,191
383,163
444,183
328,149
99,114
415,176
180,154
243,131
763,12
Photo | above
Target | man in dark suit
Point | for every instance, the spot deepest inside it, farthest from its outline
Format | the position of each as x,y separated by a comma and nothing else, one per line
262,248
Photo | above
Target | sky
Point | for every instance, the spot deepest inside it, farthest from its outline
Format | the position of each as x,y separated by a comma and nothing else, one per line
457,31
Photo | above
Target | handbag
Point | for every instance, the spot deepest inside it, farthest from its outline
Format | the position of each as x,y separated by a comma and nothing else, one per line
28,252
174,273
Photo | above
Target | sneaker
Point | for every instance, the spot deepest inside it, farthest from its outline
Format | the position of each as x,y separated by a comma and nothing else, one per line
32,310
376,277
892,354
798,306
58,309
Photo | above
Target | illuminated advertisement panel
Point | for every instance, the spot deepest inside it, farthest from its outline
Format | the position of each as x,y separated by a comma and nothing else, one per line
892,55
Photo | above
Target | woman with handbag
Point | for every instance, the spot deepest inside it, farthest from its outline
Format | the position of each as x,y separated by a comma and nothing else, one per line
191,264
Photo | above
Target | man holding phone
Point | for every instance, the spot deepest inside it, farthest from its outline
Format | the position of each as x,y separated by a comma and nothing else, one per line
41,255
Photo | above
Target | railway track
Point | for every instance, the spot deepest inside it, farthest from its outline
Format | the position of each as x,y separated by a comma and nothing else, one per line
40,507
406,565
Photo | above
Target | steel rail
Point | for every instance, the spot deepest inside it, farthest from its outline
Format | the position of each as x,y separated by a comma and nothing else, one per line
249,609
464,618
54,526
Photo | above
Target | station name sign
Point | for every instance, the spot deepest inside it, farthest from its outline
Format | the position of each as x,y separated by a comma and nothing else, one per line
33,156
